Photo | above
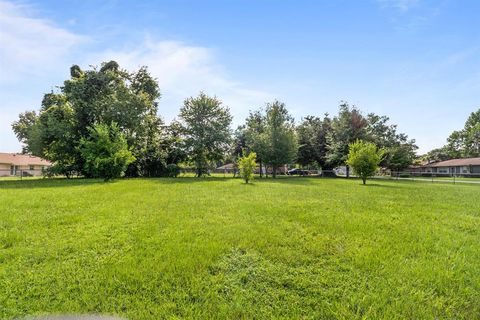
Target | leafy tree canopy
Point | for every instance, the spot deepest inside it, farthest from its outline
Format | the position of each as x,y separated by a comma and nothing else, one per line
206,128
95,97
464,143
312,141
279,138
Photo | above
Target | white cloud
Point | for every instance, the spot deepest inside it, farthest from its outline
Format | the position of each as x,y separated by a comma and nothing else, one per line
35,55
29,45
33,51
182,71
402,5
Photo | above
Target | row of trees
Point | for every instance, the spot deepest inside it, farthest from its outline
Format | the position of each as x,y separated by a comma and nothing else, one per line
320,142
464,143
104,122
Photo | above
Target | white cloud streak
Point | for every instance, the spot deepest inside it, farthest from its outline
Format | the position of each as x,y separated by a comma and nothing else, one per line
182,71
30,46
36,52
401,5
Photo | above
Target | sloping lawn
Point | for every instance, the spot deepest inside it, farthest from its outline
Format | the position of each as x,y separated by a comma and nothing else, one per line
217,248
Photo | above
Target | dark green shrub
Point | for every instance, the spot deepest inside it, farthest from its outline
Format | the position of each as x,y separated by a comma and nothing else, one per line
172,170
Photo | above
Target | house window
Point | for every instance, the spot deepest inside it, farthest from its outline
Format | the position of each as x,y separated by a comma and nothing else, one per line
32,168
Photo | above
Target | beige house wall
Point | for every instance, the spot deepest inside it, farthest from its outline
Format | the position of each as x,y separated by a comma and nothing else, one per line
4,169
26,169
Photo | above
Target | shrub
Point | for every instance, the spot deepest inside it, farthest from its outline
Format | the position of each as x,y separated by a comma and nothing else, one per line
172,170
106,152
364,158
247,165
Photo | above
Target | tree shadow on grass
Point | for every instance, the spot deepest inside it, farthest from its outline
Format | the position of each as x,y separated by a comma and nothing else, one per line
379,185
187,180
77,182
50,183
297,180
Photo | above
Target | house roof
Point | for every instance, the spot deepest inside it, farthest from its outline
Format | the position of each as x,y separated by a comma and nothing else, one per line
456,163
22,159
228,166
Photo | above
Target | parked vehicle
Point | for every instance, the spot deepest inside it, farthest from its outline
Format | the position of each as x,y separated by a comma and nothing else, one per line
297,171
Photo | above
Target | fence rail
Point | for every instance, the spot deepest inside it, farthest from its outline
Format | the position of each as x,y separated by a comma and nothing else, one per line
433,177
21,173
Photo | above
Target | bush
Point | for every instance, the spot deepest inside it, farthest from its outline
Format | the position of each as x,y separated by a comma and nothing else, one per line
106,152
364,158
172,170
247,165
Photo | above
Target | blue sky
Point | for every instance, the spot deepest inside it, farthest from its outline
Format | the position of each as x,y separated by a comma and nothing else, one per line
416,61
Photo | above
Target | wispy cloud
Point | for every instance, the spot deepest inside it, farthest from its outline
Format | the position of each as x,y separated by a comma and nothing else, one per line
402,5
30,45
39,52
183,70
412,15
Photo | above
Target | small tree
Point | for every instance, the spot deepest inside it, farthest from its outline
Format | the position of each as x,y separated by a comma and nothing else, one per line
247,165
106,152
364,158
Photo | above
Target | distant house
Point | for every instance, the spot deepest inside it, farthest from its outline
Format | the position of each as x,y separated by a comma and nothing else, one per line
14,164
228,168
231,167
454,166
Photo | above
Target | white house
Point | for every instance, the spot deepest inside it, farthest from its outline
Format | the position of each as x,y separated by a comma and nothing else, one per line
15,164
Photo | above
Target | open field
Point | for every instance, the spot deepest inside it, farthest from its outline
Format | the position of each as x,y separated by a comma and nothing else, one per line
217,248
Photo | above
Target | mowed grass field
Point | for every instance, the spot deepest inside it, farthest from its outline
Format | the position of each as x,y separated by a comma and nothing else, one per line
216,248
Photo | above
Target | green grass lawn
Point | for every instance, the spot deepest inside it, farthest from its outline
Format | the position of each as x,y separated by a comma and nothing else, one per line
217,248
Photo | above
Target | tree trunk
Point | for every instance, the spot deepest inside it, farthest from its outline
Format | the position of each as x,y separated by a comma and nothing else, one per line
364,179
261,168
348,171
274,172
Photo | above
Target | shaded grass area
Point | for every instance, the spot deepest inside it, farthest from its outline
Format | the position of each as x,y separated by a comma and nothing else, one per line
217,248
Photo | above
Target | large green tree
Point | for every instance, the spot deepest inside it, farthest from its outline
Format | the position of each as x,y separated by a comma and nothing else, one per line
280,139
93,97
347,127
438,154
399,151
312,141
206,128
23,129
464,143
350,125
255,140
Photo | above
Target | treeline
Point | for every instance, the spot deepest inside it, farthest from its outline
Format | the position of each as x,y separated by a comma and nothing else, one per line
104,122
464,143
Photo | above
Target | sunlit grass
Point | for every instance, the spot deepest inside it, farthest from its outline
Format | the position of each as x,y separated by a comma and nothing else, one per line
218,248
